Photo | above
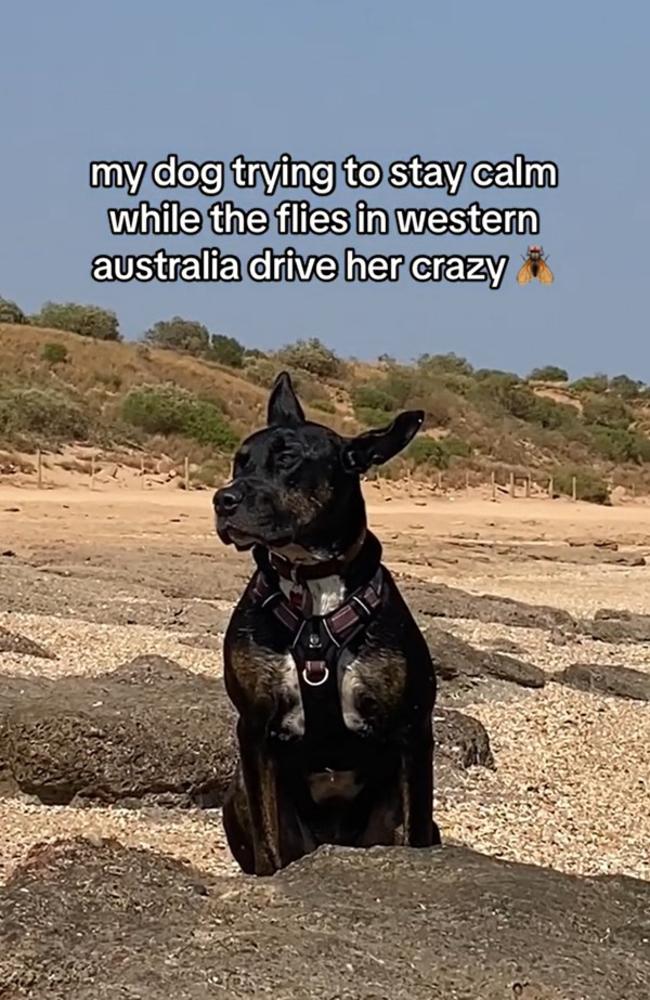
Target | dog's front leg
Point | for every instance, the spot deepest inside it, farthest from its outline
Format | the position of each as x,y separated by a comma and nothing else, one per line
259,771
416,780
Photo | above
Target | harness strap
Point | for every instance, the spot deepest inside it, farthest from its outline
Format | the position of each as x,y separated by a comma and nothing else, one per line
340,624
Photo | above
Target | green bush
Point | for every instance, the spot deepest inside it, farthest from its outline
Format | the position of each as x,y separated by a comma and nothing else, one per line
371,397
167,409
495,387
591,383
589,485
42,412
424,451
445,364
437,453
178,334
54,354
549,373
400,384
617,444
607,411
261,371
368,417
88,321
312,356
495,374
226,350
10,312
324,405
553,416
625,386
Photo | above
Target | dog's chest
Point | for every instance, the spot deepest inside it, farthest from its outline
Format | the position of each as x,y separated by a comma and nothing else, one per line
321,597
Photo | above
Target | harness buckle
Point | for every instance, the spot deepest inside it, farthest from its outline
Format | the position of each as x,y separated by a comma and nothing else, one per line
315,672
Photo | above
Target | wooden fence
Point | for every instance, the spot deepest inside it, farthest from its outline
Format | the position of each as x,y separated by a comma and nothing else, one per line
514,486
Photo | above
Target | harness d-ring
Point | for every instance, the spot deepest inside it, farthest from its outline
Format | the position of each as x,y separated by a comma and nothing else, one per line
315,683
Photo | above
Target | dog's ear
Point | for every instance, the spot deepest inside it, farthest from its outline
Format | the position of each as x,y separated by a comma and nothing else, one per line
284,406
378,446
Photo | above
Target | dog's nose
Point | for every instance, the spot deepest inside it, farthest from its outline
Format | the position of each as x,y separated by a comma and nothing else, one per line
227,500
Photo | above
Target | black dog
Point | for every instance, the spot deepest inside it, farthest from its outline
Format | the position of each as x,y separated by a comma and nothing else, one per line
330,675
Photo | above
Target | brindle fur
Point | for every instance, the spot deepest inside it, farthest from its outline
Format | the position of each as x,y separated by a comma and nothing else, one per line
377,753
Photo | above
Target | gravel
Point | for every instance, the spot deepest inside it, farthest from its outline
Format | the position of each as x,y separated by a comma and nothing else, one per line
89,648
571,789
545,650
194,835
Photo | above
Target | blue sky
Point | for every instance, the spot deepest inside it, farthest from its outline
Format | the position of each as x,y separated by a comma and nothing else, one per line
209,79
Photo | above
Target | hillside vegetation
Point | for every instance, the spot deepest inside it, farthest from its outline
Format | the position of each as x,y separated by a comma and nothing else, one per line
181,391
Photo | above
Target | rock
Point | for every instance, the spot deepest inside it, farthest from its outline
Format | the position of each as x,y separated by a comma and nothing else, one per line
598,543
606,678
148,728
629,560
82,920
462,739
13,642
440,601
455,659
92,587
504,646
618,626
150,731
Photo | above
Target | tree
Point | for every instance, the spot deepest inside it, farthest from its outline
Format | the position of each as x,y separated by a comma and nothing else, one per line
178,334
445,364
311,356
226,350
591,383
549,373
608,411
87,321
10,312
625,386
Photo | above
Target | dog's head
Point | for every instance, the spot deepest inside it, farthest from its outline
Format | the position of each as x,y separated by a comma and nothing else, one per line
295,484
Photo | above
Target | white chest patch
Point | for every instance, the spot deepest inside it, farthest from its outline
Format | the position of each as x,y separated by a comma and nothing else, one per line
326,594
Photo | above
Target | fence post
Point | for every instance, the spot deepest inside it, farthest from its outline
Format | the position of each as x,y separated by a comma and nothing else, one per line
466,480
551,490
494,485
187,473
39,468
527,487
92,472
141,472
574,489
512,484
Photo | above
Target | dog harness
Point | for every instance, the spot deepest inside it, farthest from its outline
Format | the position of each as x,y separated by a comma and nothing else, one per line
318,641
